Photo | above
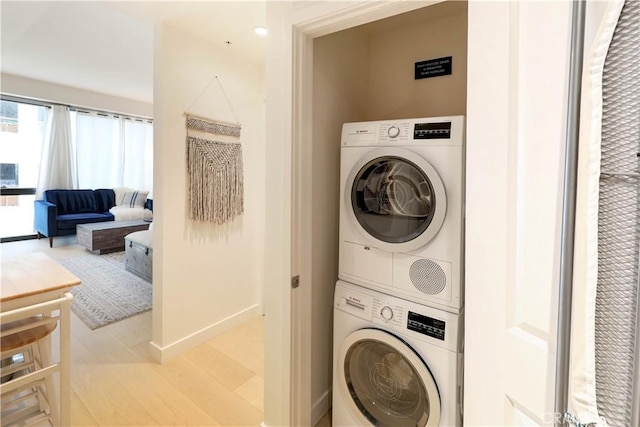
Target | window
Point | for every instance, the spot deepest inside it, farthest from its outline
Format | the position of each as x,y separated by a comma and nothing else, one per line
8,116
21,134
110,151
8,174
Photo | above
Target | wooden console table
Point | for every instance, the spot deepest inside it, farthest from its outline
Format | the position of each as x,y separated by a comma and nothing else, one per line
107,236
33,283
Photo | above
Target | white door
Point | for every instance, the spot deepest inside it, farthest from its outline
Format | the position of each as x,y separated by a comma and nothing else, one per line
517,90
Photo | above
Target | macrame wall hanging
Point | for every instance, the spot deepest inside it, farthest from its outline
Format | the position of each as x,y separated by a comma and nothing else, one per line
215,180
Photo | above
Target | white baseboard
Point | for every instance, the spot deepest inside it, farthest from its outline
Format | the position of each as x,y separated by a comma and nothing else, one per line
320,407
318,410
166,353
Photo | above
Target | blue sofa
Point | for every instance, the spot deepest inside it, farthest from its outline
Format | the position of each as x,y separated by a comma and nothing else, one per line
61,210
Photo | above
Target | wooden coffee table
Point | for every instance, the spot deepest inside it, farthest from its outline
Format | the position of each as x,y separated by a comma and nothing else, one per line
107,236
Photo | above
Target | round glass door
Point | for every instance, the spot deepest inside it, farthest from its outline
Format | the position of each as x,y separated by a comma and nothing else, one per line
398,200
388,383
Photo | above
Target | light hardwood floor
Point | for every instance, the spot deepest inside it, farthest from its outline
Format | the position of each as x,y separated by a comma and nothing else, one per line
115,382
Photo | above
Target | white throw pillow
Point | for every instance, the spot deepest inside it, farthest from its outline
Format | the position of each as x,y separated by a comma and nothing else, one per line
134,199
120,192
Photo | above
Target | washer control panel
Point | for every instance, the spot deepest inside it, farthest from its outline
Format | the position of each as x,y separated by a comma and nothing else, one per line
387,312
405,318
426,325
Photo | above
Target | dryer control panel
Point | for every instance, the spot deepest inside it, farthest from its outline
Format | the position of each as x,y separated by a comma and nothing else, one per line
425,131
438,130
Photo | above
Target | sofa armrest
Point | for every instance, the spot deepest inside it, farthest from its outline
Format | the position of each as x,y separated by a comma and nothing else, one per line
45,216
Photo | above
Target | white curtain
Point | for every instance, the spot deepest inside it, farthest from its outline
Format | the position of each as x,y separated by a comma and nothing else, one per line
57,162
582,378
100,151
138,154
113,151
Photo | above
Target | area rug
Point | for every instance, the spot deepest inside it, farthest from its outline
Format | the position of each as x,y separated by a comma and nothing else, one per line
108,293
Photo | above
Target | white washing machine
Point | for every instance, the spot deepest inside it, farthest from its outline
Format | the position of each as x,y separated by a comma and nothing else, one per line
401,208
395,363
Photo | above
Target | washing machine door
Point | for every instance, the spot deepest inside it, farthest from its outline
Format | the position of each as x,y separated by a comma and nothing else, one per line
396,199
385,382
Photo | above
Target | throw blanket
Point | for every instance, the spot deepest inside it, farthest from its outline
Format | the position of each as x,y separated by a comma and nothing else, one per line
214,168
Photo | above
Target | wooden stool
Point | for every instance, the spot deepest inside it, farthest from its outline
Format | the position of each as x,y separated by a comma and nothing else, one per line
26,346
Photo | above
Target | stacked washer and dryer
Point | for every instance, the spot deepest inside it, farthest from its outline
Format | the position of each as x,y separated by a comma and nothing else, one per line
398,307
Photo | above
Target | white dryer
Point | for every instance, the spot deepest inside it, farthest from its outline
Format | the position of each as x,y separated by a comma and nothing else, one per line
395,363
401,208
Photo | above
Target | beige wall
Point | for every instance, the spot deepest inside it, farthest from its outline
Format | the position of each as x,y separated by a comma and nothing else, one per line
339,94
379,78
203,285
37,89
393,92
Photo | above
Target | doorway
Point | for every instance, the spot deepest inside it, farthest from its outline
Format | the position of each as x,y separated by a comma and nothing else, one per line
333,54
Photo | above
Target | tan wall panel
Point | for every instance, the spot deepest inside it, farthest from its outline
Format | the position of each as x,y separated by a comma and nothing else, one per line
393,91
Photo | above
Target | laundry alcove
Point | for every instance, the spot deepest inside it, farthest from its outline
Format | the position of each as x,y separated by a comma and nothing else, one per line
360,74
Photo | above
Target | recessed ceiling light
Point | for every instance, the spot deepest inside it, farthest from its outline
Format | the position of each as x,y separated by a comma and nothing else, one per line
261,31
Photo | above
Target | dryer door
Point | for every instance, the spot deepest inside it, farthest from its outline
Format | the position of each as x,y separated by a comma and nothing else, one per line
396,199
387,381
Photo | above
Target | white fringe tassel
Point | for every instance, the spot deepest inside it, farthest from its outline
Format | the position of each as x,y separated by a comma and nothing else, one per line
215,180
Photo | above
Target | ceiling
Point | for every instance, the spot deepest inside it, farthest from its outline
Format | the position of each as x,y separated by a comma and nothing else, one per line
107,46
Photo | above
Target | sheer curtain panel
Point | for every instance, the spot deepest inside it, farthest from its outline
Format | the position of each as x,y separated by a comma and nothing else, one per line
113,151
138,154
57,163
100,151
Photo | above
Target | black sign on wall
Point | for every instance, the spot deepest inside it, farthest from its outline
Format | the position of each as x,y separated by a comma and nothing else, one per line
433,68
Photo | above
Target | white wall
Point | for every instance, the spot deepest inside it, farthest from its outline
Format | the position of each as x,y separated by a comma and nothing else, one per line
203,286
21,86
277,296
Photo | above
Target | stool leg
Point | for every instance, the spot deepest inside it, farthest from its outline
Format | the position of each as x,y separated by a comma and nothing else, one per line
39,389
44,348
